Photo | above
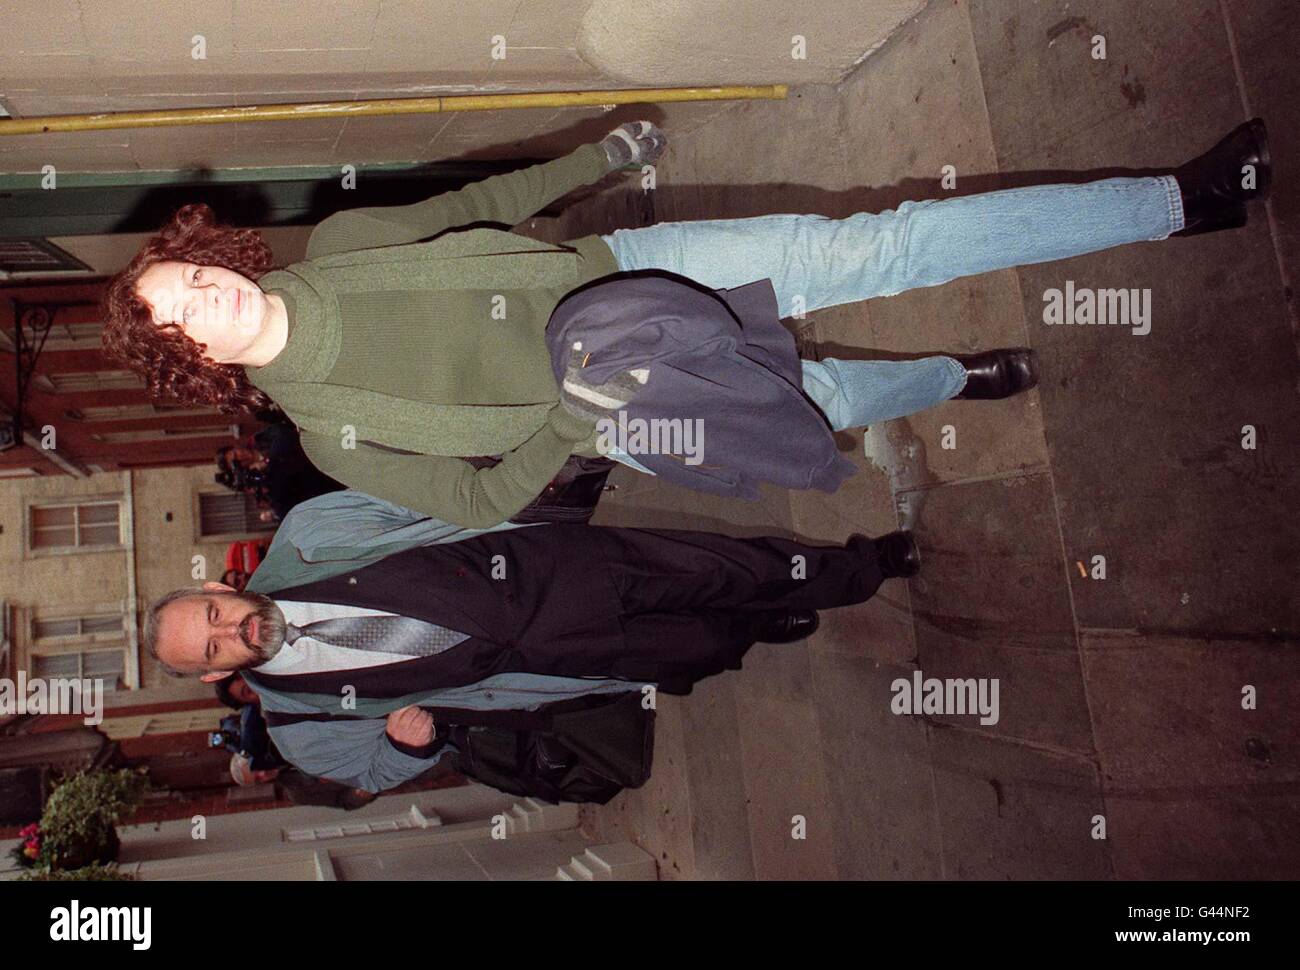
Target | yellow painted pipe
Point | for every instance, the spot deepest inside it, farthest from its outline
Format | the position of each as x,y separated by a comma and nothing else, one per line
383,106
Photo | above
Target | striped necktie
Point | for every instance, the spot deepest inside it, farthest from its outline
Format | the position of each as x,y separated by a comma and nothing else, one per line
387,634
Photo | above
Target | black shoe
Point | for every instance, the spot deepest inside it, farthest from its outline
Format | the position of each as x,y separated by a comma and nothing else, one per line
898,555
785,626
996,374
1213,197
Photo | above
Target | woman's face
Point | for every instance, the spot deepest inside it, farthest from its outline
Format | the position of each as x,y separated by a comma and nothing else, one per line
213,306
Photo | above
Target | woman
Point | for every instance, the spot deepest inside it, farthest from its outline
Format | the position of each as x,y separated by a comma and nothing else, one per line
398,359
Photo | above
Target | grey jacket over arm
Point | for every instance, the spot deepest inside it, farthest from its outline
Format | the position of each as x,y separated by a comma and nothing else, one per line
357,753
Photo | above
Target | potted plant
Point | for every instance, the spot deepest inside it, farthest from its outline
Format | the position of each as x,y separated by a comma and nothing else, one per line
77,826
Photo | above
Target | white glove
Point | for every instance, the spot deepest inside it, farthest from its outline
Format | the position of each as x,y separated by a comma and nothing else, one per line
634,143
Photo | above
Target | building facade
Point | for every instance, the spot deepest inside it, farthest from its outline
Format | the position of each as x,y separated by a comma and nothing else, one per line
82,558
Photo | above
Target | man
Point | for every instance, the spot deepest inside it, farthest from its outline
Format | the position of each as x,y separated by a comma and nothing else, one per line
233,691
364,613
242,559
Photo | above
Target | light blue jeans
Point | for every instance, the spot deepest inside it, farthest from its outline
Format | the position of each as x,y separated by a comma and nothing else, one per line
825,262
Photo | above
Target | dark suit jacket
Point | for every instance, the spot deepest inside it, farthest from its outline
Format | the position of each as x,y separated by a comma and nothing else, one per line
550,616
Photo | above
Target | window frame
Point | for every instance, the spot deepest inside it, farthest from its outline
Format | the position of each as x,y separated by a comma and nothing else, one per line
225,537
135,411
81,636
46,381
223,431
82,648
31,550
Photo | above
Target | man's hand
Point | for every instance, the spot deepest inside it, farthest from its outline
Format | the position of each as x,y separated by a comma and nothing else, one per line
411,726
635,142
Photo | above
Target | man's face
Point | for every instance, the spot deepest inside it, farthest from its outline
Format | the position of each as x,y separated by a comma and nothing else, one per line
219,631
247,457
241,692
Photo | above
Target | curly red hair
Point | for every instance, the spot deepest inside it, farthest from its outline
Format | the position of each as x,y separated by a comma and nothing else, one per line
172,364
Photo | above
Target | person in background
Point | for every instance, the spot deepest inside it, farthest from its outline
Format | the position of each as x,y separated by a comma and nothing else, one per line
290,477
242,559
234,692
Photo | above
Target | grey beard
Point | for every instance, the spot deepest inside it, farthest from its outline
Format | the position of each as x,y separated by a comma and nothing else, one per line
271,625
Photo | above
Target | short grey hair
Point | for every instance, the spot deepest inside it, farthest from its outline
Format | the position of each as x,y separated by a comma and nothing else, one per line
153,619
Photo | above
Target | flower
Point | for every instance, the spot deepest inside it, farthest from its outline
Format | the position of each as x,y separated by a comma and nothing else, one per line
31,850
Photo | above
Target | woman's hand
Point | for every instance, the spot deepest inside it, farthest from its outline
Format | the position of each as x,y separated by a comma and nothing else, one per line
596,402
634,143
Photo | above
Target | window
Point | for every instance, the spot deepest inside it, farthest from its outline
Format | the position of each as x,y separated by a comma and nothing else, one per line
169,722
229,513
86,525
106,665
36,256
80,382
132,412
95,627
89,647
62,336
168,434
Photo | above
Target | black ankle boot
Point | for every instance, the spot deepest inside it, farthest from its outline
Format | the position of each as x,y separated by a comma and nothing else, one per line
898,555
996,374
1213,197
785,626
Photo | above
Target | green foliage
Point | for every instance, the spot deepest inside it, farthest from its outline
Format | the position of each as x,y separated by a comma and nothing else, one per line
76,827
90,801
95,872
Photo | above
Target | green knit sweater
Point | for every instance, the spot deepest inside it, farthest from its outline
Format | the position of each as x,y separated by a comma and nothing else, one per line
403,355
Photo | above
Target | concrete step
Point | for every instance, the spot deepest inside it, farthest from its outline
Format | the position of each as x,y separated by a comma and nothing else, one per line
612,862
